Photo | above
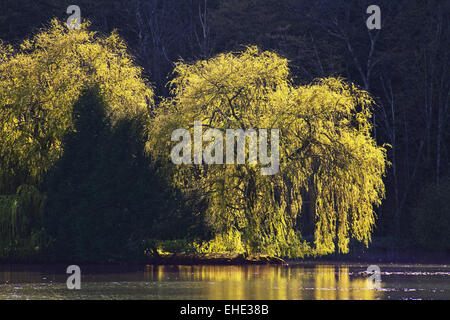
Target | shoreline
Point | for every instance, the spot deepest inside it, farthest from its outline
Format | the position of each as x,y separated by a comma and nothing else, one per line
373,257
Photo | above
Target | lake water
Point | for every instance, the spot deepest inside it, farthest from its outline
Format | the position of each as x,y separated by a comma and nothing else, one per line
299,281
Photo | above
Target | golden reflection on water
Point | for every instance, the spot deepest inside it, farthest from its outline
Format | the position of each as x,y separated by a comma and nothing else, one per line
268,282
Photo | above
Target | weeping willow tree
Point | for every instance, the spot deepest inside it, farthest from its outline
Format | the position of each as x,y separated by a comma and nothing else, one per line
326,154
40,82
21,217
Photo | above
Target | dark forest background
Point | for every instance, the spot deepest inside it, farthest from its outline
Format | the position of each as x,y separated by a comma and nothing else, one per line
405,66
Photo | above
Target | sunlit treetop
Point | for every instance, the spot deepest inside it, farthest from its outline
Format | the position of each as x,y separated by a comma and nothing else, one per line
42,79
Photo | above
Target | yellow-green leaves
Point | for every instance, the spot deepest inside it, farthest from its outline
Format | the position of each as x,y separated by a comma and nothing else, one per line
327,142
39,85
326,154
328,160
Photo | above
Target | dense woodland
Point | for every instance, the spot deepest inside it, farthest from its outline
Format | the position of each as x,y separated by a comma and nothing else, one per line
86,116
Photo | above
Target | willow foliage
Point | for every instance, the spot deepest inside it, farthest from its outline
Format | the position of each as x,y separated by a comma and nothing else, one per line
326,154
20,213
40,82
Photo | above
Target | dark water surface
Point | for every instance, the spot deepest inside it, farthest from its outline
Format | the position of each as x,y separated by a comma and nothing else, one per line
298,281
